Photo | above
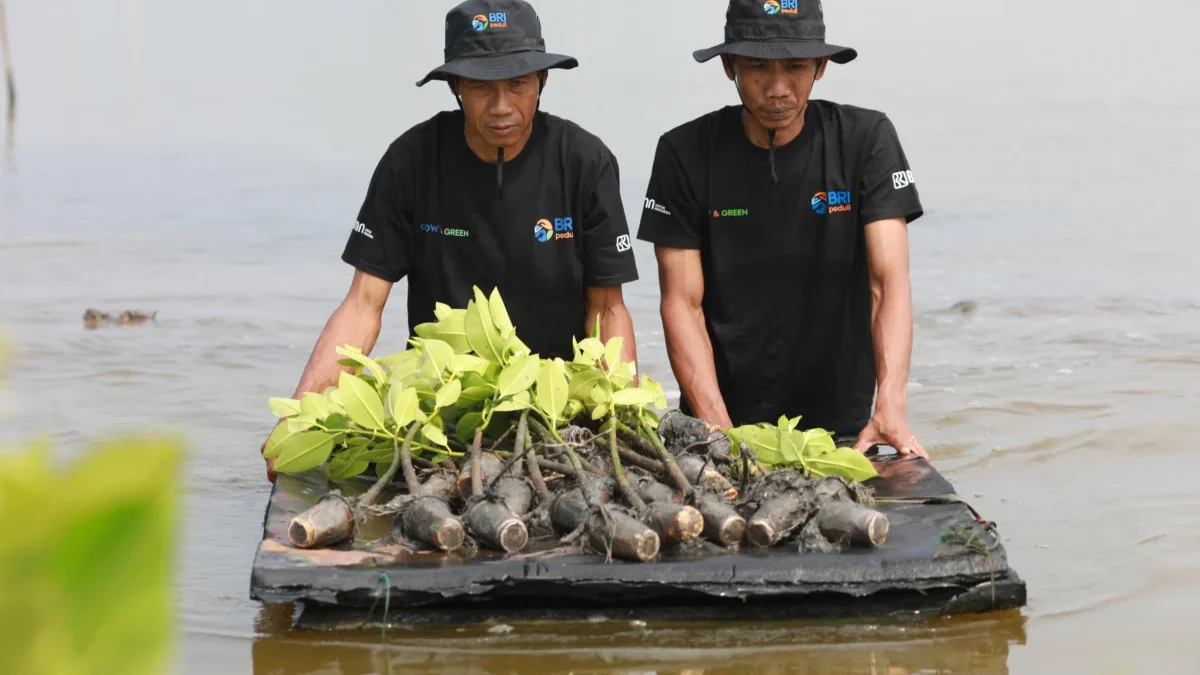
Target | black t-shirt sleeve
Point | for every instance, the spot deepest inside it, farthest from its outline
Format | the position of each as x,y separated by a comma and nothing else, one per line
888,188
671,214
381,243
607,251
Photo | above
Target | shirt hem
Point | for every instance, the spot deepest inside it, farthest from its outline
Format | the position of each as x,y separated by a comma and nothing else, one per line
612,279
373,270
660,240
908,216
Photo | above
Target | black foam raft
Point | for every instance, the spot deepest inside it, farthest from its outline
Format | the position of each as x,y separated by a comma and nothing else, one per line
912,574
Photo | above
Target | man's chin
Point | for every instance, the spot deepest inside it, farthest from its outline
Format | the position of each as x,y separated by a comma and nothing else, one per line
777,121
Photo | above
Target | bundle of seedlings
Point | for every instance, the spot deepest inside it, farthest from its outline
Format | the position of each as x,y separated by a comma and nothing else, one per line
511,442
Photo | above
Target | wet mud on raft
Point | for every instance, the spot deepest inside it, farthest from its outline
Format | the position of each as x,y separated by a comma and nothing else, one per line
932,555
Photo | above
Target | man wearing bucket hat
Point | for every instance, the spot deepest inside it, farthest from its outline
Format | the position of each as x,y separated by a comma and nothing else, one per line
780,227
494,194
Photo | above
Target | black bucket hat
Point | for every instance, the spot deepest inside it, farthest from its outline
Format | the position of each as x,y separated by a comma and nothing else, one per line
495,40
776,29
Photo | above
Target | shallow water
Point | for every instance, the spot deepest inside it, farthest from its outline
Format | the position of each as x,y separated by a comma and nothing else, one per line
206,161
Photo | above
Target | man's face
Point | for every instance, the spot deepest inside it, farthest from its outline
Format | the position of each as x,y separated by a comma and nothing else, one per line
775,91
501,111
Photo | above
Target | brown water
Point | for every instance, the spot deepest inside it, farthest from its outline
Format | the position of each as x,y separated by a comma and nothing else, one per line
206,160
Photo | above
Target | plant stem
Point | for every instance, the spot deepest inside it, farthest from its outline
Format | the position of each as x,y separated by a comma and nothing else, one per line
535,472
630,496
410,474
668,459
373,494
476,465
518,450
548,431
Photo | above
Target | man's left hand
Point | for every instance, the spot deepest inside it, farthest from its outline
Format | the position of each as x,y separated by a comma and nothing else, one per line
890,427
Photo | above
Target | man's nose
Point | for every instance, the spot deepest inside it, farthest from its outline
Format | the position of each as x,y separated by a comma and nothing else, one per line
502,104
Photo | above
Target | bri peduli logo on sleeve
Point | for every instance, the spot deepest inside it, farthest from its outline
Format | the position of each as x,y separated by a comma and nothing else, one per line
834,201
560,228
492,21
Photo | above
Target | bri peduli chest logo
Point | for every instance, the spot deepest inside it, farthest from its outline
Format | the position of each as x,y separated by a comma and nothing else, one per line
774,7
560,228
832,202
494,21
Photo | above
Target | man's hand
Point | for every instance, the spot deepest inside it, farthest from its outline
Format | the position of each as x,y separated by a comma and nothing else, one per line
270,462
356,322
889,426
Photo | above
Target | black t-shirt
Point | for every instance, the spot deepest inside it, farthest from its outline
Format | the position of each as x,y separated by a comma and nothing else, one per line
787,297
435,213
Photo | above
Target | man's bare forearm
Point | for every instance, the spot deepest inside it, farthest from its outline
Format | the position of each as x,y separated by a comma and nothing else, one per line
690,352
892,336
352,323
615,321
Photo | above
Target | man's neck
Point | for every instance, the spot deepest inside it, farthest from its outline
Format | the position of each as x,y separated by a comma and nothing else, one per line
760,136
490,153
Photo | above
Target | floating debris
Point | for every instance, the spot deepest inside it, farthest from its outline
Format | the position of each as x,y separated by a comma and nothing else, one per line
94,318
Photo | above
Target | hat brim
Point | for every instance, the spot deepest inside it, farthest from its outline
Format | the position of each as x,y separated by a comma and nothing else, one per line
779,49
500,66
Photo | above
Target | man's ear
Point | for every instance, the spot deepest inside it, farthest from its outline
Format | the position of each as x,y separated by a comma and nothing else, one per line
727,61
821,63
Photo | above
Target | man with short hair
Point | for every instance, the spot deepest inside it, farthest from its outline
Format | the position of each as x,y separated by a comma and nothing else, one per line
780,228
494,194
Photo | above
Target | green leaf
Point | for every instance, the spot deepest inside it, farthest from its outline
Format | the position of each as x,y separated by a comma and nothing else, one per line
763,440
452,330
406,408
434,435
441,310
845,462
467,424
337,422
552,390
660,398
436,356
791,446
500,314
623,374
574,409
347,465
356,355
362,403
473,395
518,402
818,441
402,365
582,383
612,352
520,375
447,395
306,450
633,397
482,335
589,352
301,423
600,411
315,405
467,363
601,393
275,441
283,407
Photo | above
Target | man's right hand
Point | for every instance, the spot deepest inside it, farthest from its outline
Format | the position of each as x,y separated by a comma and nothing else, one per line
270,462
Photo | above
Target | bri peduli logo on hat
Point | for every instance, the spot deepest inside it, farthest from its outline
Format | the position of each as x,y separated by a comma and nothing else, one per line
494,20
561,228
781,7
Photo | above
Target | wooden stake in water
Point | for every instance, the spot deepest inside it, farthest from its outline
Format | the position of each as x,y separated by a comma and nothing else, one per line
10,80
